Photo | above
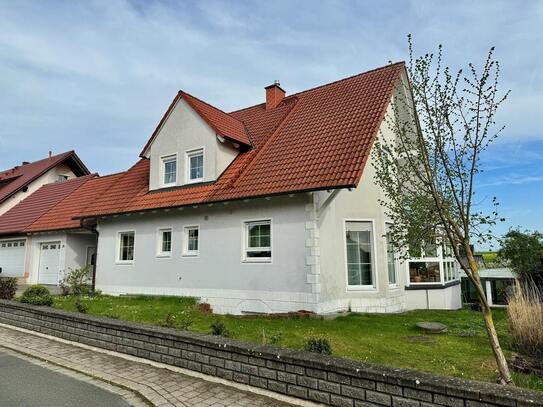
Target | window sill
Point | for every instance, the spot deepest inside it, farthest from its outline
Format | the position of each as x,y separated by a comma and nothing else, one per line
124,262
164,255
361,288
263,261
194,181
190,255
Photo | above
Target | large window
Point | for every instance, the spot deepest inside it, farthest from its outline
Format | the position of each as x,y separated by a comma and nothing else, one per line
169,170
195,165
192,244
391,257
126,247
258,241
433,264
164,242
360,256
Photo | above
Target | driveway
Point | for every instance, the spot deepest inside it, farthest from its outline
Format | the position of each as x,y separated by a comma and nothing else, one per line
25,384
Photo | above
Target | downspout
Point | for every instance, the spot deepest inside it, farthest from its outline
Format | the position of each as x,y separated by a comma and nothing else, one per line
95,231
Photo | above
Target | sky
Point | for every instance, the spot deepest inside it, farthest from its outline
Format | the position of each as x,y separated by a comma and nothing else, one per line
97,76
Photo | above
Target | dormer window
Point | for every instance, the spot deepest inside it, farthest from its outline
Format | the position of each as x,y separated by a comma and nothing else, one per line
195,165
169,170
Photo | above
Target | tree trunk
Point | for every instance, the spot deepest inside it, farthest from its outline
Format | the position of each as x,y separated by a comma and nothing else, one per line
501,362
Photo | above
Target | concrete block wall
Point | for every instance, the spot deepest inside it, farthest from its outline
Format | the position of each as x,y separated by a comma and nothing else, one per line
327,380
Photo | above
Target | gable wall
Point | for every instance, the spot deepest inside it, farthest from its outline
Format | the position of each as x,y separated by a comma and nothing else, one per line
361,203
47,178
185,130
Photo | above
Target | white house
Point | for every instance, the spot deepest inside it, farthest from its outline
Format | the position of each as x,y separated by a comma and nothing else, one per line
271,208
16,185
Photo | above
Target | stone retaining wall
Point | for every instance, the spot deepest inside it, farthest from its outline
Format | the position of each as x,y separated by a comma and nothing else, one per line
329,380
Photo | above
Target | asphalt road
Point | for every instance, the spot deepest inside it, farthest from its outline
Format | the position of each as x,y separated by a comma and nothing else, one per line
23,384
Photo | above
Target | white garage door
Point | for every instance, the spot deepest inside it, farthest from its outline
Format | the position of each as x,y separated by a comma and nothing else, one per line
12,258
49,263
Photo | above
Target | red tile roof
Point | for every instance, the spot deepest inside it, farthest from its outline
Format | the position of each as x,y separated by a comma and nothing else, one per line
16,178
222,123
26,212
61,216
316,139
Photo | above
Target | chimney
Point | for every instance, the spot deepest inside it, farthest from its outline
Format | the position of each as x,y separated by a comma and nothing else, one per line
274,95
50,154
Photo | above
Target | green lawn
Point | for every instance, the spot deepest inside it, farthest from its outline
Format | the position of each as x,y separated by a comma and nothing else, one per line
390,339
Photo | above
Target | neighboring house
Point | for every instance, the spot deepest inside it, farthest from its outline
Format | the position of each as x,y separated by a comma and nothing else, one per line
271,208
19,182
40,240
499,283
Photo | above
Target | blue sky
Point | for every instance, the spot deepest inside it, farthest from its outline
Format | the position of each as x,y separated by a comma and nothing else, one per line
97,76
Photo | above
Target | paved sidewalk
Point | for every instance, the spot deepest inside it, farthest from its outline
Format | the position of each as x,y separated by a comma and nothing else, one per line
155,385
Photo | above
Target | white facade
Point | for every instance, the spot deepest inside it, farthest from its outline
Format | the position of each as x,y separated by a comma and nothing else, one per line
304,265
47,178
47,265
185,132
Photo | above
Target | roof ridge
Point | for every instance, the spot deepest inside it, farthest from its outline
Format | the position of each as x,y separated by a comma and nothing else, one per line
326,84
209,104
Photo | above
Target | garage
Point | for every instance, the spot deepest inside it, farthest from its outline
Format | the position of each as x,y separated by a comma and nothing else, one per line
49,263
12,257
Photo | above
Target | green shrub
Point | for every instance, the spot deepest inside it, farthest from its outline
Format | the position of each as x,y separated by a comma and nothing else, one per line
37,295
75,282
318,345
219,329
8,287
81,307
168,321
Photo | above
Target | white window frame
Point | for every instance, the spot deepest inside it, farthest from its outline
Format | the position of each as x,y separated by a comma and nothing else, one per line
186,251
163,160
374,269
118,255
396,261
159,240
441,259
188,155
245,241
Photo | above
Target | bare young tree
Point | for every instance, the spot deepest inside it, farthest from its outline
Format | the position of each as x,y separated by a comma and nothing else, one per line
441,124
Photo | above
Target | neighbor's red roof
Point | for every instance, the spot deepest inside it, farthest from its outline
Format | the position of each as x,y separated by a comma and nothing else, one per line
16,178
222,123
317,139
61,216
26,212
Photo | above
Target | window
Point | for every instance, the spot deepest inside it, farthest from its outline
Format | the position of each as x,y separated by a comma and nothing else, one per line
192,235
169,170
359,241
126,247
391,257
62,178
195,165
164,242
258,241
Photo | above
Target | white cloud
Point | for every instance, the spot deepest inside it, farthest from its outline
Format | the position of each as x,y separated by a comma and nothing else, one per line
97,76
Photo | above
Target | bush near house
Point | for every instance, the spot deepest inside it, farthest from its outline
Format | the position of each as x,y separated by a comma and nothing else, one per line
37,295
8,288
75,282
385,339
